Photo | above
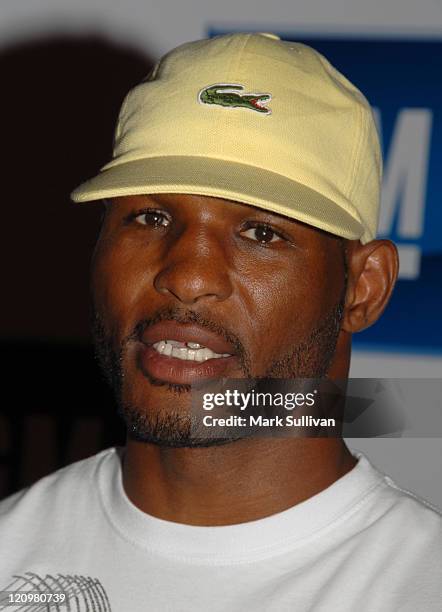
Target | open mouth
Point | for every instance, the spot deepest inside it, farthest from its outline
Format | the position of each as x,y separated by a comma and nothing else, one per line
186,366
186,351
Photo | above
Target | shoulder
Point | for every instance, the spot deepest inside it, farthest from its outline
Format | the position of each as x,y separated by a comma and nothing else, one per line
417,517
397,523
68,487
400,546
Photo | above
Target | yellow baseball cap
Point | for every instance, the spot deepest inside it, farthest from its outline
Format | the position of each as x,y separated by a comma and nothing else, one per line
255,119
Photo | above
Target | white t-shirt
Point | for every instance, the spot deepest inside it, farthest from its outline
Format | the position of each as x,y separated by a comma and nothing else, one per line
361,545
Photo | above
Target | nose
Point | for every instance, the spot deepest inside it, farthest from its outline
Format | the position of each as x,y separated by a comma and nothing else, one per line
195,268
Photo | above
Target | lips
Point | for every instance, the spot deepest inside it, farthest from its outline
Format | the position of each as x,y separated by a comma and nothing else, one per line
186,332
178,371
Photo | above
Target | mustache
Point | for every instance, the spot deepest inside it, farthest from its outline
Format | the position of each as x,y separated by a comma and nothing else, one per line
190,316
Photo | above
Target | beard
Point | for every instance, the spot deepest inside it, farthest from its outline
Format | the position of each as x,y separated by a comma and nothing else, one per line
172,428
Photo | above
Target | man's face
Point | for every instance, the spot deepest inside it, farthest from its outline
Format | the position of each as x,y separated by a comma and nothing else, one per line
263,292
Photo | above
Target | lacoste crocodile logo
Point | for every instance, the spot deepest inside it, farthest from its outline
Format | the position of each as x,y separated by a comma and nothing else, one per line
230,96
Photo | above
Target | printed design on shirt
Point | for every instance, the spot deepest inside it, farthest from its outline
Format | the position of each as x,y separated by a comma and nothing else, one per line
82,594
229,95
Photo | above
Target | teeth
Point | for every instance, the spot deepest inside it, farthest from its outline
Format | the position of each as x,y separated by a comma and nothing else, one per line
192,352
194,345
161,346
200,355
167,350
206,353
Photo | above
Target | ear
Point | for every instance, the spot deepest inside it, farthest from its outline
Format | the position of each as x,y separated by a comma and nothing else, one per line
372,273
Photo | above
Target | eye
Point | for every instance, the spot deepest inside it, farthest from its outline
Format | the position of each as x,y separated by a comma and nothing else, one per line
154,218
262,233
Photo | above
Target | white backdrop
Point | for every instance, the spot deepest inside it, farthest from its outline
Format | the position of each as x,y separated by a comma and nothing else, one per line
156,27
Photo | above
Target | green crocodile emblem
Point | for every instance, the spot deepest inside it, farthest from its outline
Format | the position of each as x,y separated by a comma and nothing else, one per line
224,94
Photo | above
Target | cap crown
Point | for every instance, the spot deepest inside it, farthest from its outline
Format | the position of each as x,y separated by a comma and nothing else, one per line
258,101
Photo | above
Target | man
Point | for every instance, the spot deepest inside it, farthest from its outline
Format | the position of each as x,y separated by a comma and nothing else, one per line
238,242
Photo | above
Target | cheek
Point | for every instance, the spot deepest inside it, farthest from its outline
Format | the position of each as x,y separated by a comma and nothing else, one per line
285,302
118,280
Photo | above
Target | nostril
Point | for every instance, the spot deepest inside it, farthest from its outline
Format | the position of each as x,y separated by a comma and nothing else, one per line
189,282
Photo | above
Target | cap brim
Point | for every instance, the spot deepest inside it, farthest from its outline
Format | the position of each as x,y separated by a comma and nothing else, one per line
222,179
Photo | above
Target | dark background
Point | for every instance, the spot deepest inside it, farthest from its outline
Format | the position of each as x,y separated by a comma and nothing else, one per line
59,104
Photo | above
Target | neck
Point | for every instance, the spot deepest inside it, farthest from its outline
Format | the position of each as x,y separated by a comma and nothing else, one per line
233,483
